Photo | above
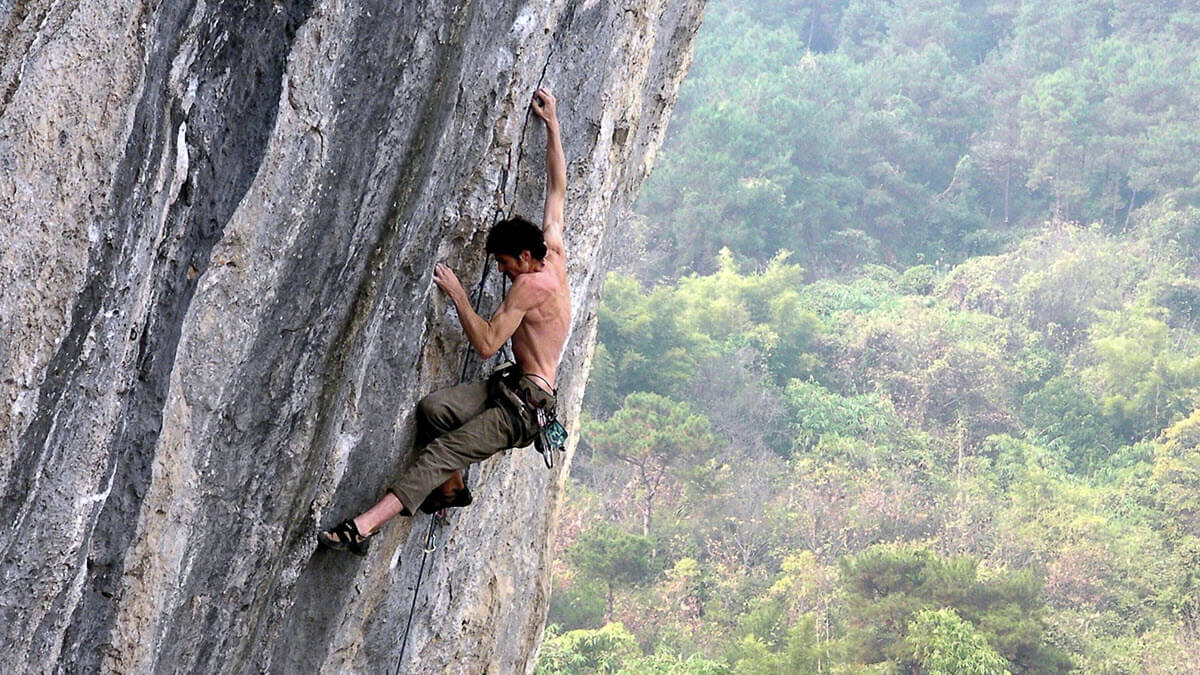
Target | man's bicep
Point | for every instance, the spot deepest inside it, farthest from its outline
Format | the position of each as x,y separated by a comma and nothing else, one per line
552,220
553,236
522,297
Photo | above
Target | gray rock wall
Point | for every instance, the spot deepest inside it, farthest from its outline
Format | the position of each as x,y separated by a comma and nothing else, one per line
216,314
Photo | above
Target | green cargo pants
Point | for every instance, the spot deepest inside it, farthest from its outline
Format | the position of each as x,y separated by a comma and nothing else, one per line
468,423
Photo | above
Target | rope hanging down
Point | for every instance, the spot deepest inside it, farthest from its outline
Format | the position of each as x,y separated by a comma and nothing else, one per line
439,519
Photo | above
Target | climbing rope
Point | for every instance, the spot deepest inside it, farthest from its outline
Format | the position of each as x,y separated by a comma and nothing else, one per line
430,546
439,519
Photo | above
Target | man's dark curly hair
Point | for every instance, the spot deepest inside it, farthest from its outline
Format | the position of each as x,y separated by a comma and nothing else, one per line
514,235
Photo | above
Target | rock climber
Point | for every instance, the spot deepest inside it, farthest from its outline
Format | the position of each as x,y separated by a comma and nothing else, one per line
471,422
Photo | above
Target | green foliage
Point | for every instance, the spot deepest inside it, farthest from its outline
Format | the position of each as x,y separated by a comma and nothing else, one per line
1177,476
648,347
613,649
1181,299
1056,282
1067,417
657,340
979,417
959,370
1171,229
606,650
781,632
798,652
578,606
660,440
819,412
667,663
651,426
602,395
610,555
918,280
1147,378
864,131
889,585
945,644
1016,426
762,311
835,303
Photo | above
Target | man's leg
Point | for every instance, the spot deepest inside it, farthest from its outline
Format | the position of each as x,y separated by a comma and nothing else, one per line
438,413
390,506
441,412
448,409
369,521
480,437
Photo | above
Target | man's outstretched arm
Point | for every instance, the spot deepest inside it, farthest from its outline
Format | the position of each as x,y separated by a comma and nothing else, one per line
545,107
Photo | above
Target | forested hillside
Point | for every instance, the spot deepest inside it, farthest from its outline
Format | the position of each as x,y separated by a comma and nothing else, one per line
909,131
901,371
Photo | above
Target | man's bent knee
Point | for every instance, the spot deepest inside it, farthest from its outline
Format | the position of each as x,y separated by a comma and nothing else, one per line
433,408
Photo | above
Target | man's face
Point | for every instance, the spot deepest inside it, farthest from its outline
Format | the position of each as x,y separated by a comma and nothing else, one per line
511,266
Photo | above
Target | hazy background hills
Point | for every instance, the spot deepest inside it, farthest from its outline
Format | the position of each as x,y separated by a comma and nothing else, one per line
900,371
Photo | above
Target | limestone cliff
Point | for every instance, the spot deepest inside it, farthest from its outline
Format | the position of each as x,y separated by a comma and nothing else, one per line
216,314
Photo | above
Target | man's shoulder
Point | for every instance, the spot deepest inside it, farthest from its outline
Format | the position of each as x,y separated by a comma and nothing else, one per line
556,267
548,277
536,285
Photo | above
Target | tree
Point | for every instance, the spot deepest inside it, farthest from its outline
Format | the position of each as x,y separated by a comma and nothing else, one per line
612,557
798,652
655,437
1146,377
1006,412
1057,125
1176,476
1068,417
888,585
604,650
648,348
945,644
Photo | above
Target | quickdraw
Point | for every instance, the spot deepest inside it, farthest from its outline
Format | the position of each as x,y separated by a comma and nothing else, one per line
551,436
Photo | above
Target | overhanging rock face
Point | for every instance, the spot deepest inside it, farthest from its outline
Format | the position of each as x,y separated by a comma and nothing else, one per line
216,314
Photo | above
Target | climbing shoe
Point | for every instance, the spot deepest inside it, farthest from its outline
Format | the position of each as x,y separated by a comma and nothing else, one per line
344,537
438,500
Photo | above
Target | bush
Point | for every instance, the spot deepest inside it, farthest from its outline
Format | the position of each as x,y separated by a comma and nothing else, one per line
606,650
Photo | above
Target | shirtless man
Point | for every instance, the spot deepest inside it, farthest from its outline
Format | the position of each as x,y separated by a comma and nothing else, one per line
473,421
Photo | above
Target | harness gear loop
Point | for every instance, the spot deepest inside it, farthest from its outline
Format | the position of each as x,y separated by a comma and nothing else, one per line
550,435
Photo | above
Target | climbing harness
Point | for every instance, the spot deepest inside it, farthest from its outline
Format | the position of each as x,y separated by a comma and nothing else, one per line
519,400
